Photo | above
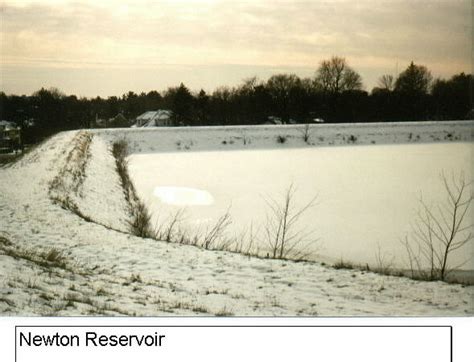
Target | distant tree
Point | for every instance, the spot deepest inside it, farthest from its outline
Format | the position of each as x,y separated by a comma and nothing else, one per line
202,108
451,98
52,93
262,103
280,85
414,80
303,100
335,76
245,100
182,105
252,101
412,93
284,89
3,104
131,105
386,82
351,106
221,106
383,106
49,111
249,85
383,102
153,101
112,106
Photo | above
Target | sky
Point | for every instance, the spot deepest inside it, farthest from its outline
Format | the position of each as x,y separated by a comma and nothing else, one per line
107,48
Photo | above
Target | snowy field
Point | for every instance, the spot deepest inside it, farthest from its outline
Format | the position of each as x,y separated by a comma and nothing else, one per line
149,140
57,262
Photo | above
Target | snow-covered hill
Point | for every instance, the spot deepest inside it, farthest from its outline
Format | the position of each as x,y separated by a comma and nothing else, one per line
65,249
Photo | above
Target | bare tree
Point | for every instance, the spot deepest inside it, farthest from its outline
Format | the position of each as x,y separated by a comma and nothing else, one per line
306,133
334,75
249,85
441,229
281,231
386,82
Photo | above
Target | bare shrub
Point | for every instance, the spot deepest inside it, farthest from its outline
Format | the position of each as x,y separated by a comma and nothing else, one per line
215,235
281,139
140,223
343,264
306,133
54,256
244,242
171,231
282,232
439,230
120,149
352,139
384,263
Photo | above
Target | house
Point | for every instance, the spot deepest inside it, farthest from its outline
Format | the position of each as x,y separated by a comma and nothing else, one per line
10,137
159,118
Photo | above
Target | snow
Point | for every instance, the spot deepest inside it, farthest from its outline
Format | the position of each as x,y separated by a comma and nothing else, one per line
367,196
106,271
220,138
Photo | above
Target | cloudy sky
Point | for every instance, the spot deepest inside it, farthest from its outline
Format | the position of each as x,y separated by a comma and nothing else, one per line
91,47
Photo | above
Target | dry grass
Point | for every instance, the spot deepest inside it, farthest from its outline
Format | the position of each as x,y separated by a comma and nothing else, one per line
46,258
140,217
71,176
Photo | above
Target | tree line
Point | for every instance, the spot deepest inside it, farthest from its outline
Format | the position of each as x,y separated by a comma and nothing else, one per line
334,94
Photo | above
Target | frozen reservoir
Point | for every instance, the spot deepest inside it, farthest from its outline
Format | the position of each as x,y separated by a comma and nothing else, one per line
367,196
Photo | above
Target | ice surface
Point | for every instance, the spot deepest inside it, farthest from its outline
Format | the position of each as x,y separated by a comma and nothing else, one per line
367,196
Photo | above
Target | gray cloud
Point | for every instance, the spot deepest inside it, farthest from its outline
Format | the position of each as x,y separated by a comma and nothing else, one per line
372,34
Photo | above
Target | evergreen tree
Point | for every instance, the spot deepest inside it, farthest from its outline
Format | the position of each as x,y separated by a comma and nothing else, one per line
415,80
182,106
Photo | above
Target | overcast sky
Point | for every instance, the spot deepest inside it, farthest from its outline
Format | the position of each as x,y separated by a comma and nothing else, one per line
105,47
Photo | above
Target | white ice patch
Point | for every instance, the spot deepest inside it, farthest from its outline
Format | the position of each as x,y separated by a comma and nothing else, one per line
183,196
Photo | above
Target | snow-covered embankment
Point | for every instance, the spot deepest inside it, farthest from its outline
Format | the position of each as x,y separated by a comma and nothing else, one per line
55,262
